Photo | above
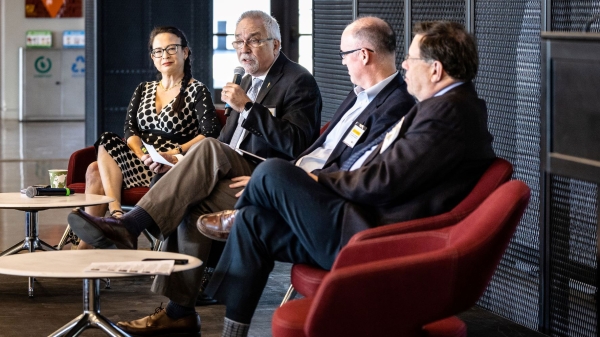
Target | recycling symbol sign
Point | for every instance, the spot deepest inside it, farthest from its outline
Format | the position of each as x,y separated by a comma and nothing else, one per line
43,64
79,65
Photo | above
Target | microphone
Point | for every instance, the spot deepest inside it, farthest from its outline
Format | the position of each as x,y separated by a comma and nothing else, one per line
238,73
40,192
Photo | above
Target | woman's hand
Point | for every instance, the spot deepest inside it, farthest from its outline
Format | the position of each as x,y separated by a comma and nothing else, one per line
241,181
158,167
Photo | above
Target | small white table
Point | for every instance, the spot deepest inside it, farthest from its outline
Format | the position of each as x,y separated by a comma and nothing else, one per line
31,206
70,264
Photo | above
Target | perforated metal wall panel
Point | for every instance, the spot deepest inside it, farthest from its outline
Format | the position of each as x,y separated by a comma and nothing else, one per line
329,20
118,48
509,80
571,16
392,12
573,255
573,219
427,10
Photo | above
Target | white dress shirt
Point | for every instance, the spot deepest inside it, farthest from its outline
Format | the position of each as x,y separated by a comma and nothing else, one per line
317,158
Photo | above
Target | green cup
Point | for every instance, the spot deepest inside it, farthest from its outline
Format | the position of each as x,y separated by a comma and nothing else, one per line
58,178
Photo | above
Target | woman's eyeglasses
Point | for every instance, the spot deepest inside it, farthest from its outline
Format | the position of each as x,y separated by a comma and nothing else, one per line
170,49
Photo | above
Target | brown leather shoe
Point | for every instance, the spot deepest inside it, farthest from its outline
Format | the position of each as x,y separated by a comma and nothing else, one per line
159,324
95,230
217,225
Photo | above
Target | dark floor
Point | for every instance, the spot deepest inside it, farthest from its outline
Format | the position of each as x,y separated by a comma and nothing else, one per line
27,151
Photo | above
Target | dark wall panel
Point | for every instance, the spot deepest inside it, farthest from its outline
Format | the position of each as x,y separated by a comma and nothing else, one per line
426,10
118,53
393,12
329,20
573,208
509,80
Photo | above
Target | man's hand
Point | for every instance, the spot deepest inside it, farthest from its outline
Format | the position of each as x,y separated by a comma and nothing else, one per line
241,181
235,96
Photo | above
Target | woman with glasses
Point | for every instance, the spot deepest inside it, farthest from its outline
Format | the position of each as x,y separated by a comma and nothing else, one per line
171,114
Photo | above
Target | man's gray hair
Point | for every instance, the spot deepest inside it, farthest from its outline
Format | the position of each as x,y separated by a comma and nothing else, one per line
271,25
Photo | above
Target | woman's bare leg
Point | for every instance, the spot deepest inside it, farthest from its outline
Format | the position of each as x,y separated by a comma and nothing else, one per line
103,177
93,185
111,176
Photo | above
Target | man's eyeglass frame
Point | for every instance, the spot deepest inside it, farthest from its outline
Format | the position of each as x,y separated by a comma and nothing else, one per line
252,43
407,57
344,53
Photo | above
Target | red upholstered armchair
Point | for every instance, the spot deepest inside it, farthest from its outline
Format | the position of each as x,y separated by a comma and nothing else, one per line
306,279
78,164
399,284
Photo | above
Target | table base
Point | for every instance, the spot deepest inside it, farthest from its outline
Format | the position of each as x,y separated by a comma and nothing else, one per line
91,317
31,242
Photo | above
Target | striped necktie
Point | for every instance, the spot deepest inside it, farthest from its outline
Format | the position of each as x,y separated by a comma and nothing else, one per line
239,130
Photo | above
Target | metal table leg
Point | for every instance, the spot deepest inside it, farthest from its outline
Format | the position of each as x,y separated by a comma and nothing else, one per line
31,242
91,317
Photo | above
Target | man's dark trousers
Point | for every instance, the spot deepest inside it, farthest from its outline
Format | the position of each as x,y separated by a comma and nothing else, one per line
273,225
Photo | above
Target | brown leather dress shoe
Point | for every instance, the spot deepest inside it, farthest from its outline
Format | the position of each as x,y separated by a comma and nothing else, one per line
159,324
217,225
92,229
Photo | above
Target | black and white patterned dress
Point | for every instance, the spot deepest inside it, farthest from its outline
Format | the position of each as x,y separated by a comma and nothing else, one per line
164,130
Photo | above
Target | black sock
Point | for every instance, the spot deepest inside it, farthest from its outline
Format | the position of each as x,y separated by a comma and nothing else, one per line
176,311
137,220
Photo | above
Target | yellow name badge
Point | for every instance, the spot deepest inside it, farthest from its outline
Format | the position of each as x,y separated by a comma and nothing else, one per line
354,135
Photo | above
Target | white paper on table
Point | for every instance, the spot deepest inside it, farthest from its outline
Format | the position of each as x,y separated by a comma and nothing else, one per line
156,157
162,267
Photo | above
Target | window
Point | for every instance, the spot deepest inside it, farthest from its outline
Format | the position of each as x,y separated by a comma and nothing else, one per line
305,41
225,16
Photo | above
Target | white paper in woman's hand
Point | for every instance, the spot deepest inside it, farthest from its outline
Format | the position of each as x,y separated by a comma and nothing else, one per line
156,157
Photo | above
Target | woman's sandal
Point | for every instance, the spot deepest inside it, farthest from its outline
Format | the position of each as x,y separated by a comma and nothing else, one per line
117,211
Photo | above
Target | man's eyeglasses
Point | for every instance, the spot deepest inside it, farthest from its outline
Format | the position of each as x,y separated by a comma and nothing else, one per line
170,49
344,53
252,43
407,57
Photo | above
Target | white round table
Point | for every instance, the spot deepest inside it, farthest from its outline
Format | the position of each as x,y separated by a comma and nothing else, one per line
71,264
31,207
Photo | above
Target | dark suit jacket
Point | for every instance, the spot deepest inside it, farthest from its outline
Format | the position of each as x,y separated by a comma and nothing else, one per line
293,92
391,104
442,149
